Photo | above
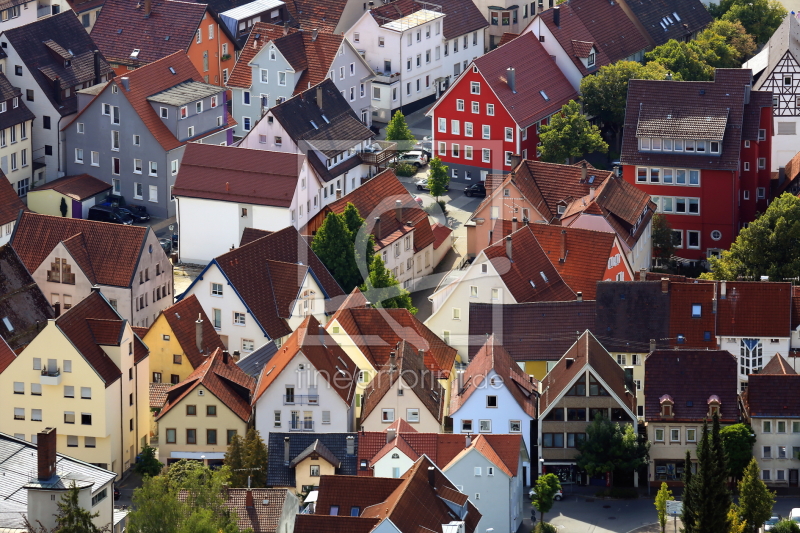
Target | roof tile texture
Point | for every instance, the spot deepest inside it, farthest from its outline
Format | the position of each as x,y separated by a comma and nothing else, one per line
460,17
78,187
10,202
773,395
182,318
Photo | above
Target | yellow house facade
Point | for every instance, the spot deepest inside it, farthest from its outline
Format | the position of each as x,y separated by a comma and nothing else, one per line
315,461
70,196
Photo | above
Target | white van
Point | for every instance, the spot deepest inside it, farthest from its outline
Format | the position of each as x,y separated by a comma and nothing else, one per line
794,516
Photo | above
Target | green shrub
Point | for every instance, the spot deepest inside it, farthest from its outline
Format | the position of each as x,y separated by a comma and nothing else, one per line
405,170
544,527
622,493
786,526
436,208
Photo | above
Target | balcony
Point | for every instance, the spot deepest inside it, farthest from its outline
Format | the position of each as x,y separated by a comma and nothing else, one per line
50,376
301,425
379,153
301,399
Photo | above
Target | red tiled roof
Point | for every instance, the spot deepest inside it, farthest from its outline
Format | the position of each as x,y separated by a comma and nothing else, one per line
502,450
158,394
233,174
319,55
223,378
440,233
611,28
773,395
10,202
111,250
315,523
123,26
182,319
572,30
690,377
681,323
401,444
259,518
460,17
79,187
507,37
347,492
400,426
140,331
7,355
492,356
251,234
777,365
536,72
327,357
440,448
755,309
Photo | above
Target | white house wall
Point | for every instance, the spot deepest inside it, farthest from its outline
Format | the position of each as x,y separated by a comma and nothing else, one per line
550,43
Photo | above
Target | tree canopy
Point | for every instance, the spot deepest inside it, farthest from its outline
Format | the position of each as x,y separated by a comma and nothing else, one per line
738,445
333,244
736,36
148,465
769,246
438,178
247,458
706,500
609,446
397,130
383,290
569,135
71,517
682,59
755,500
663,240
760,18
663,496
545,489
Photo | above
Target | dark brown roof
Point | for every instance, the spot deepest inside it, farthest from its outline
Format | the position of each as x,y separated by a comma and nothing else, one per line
507,37
12,115
536,73
259,518
690,377
316,448
347,492
570,30
107,253
773,395
409,365
66,30
22,303
78,187
251,234
323,15
540,331
440,448
460,17
493,357
755,309
682,122
683,18
223,378
316,523
777,365
587,351
10,202
630,313
685,97
611,28
182,319
232,174
256,281
686,330
123,26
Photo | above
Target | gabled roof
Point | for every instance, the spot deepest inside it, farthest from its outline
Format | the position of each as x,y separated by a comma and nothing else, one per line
107,253
572,30
773,395
541,87
7,355
587,351
347,492
493,357
327,357
93,323
785,39
685,329
268,291
10,202
13,115
66,31
241,75
529,275
251,234
253,363
316,448
158,394
540,331
376,333
501,450
260,518
231,174
280,474
670,19
460,18
78,187
690,377
316,523
409,366
755,309
378,198
22,305
630,313
777,365
182,318
440,448
612,30
322,15
219,374
123,25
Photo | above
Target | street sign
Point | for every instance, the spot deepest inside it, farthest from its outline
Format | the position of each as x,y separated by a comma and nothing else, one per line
674,507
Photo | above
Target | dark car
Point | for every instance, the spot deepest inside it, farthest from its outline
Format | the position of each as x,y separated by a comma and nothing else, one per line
139,212
134,214
476,189
116,493
106,213
166,244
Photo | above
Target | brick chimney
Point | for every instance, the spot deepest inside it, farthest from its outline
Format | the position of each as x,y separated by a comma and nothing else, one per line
248,502
390,435
147,7
57,309
377,229
665,285
432,476
398,211
584,168
319,96
563,246
46,442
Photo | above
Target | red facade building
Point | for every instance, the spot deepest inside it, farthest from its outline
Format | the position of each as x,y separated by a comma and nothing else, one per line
493,109
702,151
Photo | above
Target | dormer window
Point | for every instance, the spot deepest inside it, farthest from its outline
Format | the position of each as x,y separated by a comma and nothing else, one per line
713,405
590,60
667,404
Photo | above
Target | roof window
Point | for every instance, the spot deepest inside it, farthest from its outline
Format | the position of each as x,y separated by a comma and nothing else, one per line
172,70
135,53
314,124
544,95
7,324
676,16
696,310
166,38
543,276
533,284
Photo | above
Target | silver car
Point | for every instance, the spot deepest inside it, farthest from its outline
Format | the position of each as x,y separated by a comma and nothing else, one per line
414,157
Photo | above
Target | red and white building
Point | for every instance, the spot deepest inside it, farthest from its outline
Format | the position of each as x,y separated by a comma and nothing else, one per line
494,108
702,152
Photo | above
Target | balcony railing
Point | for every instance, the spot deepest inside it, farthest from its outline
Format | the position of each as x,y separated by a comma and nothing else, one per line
51,372
301,399
50,376
301,425
386,152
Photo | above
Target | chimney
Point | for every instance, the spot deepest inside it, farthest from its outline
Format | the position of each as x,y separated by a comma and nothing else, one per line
198,333
432,476
421,354
511,78
460,380
584,169
556,16
338,194
616,171
643,274
652,345
96,67
723,290
351,445
377,229
392,356
286,450
513,224
46,453
508,247
285,29
398,211
225,356
468,440
57,90
248,502
126,83
227,186
563,257
314,34
391,434
147,7
664,285
319,96
591,193
580,296
57,309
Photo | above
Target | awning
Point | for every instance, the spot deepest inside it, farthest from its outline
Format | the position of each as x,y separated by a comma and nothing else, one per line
197,455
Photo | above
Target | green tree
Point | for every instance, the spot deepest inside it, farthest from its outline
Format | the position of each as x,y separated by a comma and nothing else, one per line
679,57
363,240
760,18
663,240
397,130
255,458
383,290
569,135
333,244
609,446
738,445
180,471
738,524
156,508
786,526
438,178
605,94
714,50
664,495
63,207
234,459
148,465
690,497
710,498
769,246
71,517
755,500
545,489
736,36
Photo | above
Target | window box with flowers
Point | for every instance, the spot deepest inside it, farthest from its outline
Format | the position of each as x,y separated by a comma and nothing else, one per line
225,57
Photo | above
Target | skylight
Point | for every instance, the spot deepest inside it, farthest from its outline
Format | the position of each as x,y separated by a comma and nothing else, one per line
166,38
543,276
172,70
326,119
7,324
135,53
533,284
314,124
544,95
676,16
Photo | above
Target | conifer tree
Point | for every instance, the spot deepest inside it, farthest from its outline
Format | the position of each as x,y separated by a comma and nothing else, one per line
333,244
255,458
72,518
235,460
688,514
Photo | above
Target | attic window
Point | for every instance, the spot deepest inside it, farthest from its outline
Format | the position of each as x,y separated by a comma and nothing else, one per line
666,405
172,70
314,124
326,119
591,180
713,405
7,324
543,276
696,310
166,38
544,95
533,284
119,31
676,16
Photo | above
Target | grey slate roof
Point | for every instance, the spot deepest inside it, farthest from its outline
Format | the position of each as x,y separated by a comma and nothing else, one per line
683,18
184,93
280,474
253,363
630,313
18,462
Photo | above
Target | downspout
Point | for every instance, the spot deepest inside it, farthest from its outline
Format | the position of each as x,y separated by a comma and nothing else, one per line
136,403
121,427
58,138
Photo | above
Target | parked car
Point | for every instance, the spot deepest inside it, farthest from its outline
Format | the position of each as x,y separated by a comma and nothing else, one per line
135,215
106,213
116,493
138,211
476,189
425,146
769,524
417,199
422,185
558,497
166,244
414,157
